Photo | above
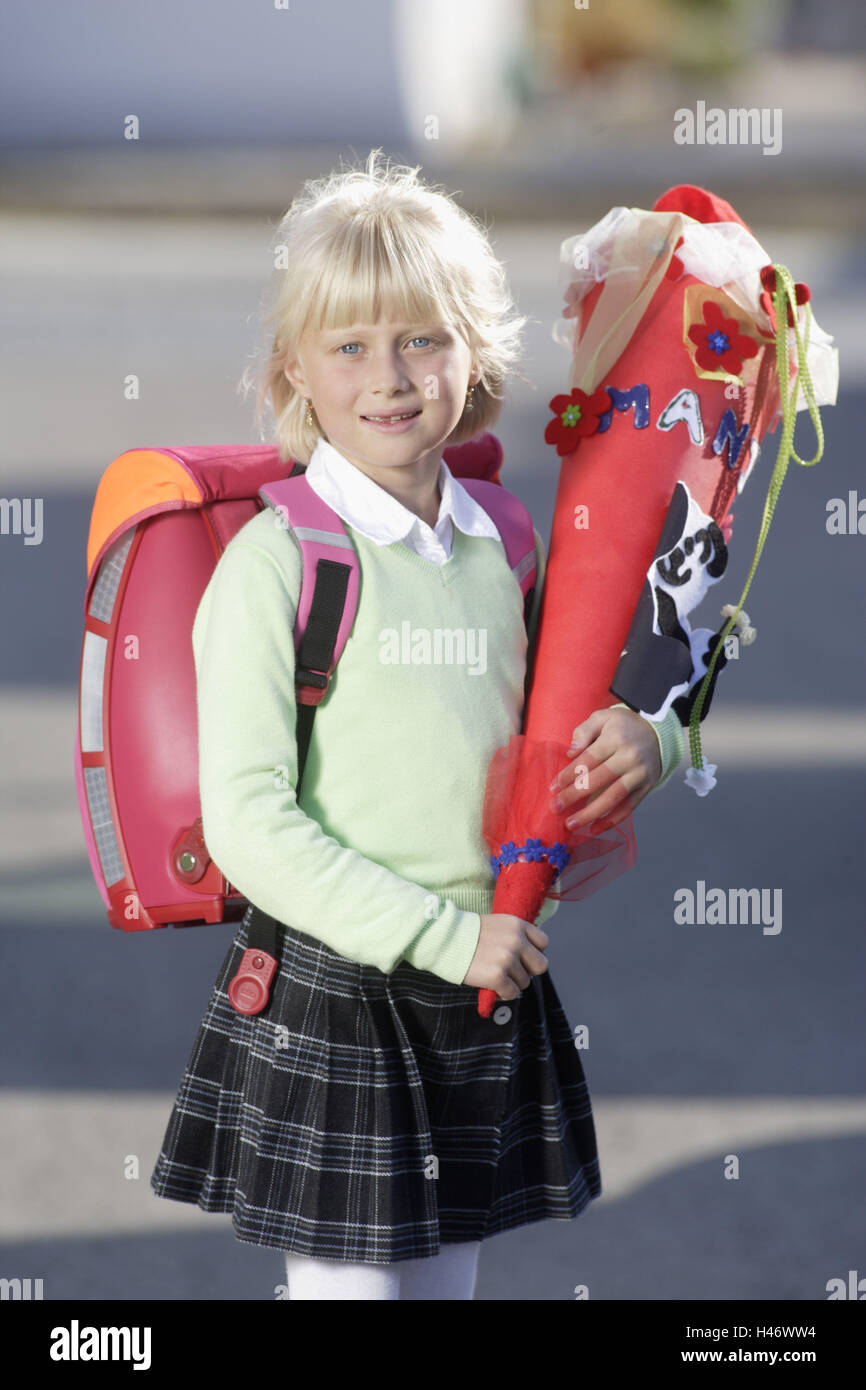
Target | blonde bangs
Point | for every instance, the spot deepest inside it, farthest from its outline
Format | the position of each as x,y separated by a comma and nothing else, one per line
368,275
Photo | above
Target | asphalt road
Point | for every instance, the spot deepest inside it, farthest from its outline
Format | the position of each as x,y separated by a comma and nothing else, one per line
705,1041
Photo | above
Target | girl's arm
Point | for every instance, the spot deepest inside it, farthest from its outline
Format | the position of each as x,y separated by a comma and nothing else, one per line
264,843
668,731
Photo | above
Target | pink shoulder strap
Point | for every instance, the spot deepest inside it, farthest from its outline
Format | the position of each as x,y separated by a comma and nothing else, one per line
322,536
514,524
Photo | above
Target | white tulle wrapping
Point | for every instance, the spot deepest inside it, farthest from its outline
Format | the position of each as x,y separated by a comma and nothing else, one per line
636,247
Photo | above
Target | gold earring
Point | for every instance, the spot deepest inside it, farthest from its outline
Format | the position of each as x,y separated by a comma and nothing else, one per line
469,394
310,420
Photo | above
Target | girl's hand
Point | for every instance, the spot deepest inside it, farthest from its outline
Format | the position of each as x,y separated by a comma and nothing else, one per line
621,748
509,952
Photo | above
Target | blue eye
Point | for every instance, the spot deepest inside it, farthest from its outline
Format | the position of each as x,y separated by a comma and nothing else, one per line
419,338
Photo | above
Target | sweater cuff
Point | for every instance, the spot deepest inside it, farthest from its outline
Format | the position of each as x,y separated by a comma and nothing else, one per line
669,732
446,946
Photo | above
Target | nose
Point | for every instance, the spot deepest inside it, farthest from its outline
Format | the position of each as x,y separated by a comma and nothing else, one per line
388,372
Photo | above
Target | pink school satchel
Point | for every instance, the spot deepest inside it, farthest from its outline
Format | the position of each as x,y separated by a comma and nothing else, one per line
161,520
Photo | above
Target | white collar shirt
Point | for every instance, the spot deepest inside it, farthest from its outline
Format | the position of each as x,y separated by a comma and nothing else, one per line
382,518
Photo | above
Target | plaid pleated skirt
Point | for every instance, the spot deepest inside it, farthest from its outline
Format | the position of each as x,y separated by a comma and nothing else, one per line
373,1117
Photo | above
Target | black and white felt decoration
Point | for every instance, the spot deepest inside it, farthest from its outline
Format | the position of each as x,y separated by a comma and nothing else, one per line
663,660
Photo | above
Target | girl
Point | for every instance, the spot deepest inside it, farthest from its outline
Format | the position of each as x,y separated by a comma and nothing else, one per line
368,1122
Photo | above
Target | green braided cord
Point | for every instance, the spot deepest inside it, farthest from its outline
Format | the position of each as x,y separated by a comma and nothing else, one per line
783,294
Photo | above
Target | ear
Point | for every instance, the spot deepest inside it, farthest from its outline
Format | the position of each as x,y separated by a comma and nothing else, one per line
295,376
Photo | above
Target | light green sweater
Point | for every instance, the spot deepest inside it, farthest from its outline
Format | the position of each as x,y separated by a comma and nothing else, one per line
383,858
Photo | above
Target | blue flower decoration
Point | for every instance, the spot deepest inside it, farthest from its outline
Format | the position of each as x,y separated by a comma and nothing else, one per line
535,850
558,856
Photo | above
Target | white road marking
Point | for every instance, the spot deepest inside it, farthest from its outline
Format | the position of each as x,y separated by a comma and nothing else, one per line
42,848
62,1153
641,1139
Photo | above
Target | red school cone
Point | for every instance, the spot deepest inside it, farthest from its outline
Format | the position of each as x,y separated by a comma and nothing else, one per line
674,382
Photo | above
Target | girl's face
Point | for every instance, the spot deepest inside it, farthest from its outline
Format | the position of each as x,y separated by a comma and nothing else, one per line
354,375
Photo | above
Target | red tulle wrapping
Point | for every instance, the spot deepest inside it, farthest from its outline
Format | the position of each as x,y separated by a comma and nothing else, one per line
517,801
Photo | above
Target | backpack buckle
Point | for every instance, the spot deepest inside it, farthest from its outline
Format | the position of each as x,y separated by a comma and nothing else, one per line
250,989
310,686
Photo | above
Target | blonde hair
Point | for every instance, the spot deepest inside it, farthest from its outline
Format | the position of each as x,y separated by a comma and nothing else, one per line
358,240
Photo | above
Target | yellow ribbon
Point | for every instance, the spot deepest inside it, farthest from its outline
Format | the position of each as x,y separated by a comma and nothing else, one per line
783,295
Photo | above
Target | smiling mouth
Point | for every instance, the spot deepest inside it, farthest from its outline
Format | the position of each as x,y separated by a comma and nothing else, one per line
390,419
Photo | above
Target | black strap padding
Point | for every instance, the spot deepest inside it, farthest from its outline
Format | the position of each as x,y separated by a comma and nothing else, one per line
316,652
314,659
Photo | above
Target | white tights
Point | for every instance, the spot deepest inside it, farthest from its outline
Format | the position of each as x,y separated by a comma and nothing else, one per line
450,1274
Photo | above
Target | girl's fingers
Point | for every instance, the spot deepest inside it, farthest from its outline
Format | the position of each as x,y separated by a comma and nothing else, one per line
612,781
625,756
619,794
520,976
596,775
533,961
611,774
616,799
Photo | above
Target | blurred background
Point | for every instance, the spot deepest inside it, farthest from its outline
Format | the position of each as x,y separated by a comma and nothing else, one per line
146,155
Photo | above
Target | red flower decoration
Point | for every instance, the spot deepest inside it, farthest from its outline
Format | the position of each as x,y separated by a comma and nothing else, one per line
575,417
721,346
802,294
